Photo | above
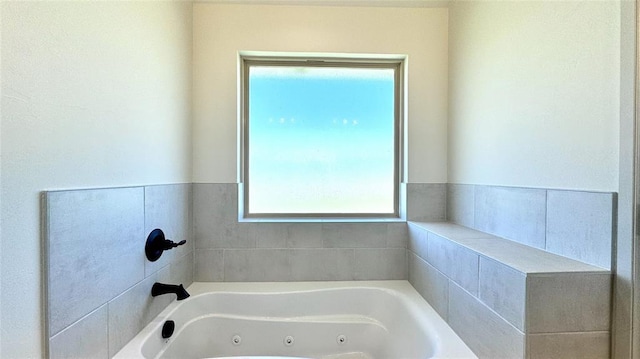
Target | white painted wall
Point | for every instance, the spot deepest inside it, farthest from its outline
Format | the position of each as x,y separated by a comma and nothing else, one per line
534,93
0,174
221,30
94,94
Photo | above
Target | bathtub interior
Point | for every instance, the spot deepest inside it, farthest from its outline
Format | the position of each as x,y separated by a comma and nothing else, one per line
346,320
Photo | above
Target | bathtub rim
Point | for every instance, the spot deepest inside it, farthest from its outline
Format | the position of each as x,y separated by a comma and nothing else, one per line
448,343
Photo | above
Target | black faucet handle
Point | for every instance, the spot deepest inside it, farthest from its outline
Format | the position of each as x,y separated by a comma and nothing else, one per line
157,243
168,244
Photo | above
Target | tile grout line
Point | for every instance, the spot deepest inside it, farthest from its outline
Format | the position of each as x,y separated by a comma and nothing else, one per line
546,217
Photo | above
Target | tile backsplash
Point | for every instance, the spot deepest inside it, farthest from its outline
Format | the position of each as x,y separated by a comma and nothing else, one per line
575,224
92,240
229,249
514,213
98,278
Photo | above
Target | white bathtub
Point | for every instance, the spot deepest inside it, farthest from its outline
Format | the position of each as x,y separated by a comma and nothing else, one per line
373,319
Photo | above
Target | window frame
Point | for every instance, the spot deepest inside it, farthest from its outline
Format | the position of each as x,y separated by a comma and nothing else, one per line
394,62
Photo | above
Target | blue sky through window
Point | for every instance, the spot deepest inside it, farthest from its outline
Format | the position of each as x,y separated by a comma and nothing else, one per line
321,140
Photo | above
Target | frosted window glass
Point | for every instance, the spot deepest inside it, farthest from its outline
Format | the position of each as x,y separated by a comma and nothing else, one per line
321,140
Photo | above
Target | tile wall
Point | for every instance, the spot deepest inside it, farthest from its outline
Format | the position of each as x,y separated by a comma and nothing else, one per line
98,278
575,224
231,250
99,281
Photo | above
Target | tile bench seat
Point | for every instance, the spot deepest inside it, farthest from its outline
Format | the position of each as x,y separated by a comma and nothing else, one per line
507,299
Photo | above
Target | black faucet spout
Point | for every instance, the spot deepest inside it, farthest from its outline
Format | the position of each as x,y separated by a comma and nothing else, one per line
160,289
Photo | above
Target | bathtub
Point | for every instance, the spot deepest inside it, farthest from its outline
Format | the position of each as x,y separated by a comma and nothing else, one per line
330,320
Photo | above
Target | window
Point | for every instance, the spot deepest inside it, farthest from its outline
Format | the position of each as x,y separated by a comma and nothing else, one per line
321,137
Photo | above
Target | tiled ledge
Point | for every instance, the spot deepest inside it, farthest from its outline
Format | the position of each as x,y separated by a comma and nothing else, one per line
522,258
506,299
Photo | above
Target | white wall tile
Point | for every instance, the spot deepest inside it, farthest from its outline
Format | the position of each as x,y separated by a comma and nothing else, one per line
168,207
503,289
215,208
418,241
321,264
304,235
209,265
568,302
256,265
354,235
397,235
87,338
182,269
214,201
486,333
518,214
135,308
380,263
216,228
426,202
580,225
430,283
589,345
227,235
268,235
95,244
460,204
456,262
